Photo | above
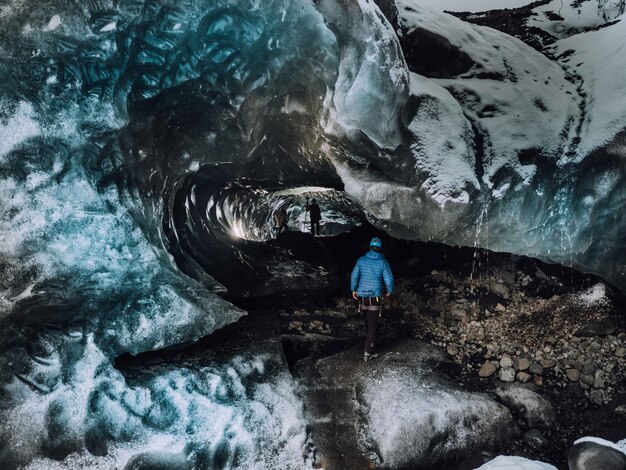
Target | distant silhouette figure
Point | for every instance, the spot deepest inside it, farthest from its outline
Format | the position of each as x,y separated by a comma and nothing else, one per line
316,216
280,219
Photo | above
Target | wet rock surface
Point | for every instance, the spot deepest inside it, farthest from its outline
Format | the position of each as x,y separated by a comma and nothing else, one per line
522,351
398,411
596,455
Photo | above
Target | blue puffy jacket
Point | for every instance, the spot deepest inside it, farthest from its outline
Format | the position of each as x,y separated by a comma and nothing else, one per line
369,273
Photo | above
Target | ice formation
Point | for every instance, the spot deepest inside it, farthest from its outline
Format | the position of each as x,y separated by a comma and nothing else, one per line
228,412
564,19
144,146
546,174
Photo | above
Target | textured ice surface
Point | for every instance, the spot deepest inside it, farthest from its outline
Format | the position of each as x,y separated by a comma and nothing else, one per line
372,83
515,463
546,176
599,59
108,109
564,19
236,411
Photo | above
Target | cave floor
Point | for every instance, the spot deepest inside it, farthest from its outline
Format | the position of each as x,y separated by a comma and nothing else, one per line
512,319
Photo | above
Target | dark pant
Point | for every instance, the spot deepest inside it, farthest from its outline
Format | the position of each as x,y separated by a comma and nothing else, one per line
370,306
314,225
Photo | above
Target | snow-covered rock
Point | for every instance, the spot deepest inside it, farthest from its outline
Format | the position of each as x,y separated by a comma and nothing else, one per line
394,410
517,98
566,18
535,409
592,453
515,463
473,5
598,58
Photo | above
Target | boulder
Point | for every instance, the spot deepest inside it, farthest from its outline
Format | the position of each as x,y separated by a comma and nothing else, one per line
595,454
523,363
535,440
506,361
487,369
602,327
507,374
500,289
395,410
536,410
573,375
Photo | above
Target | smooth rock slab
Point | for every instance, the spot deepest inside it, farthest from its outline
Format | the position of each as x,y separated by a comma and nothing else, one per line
602,327
515,463
396,411
595,454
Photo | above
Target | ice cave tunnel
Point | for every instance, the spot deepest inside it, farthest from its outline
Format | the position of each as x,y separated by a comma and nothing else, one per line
164,306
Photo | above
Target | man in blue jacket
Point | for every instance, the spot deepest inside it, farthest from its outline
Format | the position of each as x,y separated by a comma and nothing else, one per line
370,276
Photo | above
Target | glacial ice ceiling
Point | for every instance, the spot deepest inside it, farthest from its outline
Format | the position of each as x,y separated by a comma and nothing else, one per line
144,146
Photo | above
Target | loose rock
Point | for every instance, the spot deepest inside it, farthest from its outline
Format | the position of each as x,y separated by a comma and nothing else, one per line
535,440
507,374
573,375
487,370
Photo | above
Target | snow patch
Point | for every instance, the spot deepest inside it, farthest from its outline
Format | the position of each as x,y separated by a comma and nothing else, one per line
442,143
109,27
473,5
599,58
19,127
564,19
593,295
515,463
53,24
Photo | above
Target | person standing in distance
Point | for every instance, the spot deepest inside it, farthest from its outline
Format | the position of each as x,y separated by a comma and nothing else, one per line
371,276
316,216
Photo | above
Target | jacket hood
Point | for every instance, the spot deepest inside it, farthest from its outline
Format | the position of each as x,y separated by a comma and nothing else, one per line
374,255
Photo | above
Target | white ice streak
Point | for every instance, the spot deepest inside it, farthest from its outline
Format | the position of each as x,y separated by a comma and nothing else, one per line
599,59
53,24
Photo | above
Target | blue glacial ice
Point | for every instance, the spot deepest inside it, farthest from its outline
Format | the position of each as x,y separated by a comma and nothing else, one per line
113,113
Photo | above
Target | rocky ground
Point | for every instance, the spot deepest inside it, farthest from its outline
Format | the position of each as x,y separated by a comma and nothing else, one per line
547,342
483,354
